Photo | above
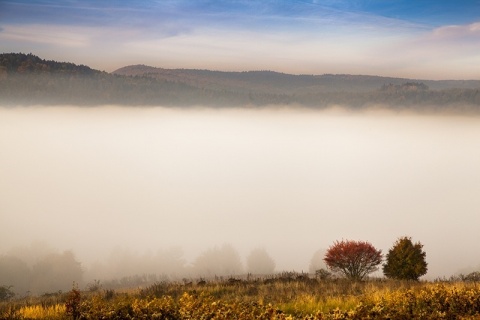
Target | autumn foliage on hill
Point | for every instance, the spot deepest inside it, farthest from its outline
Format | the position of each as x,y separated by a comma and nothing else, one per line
354,259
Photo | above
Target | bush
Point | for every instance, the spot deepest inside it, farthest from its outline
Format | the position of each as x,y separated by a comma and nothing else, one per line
72,305
6,293
323,274
472,276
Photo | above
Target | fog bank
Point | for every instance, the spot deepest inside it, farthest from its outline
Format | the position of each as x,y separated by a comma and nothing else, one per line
290,181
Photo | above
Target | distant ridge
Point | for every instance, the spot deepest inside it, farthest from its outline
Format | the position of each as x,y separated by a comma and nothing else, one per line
26,79
276,82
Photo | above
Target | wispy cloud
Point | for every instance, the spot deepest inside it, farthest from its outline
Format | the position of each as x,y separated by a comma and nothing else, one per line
47,34
458,32
453,41
440,53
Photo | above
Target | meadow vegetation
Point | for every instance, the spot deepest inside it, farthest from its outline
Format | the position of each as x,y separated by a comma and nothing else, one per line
283,296
344,292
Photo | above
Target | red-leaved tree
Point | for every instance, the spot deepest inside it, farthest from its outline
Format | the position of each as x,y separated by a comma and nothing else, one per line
354,259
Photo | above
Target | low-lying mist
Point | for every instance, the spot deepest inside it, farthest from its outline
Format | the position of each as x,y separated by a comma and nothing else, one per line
127,187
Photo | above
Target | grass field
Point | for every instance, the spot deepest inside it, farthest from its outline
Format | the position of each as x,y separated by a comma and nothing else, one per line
282,297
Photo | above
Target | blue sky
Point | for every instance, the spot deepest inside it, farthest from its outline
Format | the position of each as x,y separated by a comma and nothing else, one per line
417,39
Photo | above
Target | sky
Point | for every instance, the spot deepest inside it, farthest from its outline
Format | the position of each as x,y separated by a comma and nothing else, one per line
412,39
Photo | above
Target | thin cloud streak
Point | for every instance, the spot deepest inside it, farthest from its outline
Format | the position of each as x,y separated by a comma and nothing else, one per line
449,51
458,32
44,34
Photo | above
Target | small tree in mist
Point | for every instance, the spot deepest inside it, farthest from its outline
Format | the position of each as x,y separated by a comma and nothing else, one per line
260,262
354,259
317,262
16,273
221,261
56,272
405,260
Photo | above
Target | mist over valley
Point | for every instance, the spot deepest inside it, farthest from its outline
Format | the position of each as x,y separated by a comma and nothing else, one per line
133,191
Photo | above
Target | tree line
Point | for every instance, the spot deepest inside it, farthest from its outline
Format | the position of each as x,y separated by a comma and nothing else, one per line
39,269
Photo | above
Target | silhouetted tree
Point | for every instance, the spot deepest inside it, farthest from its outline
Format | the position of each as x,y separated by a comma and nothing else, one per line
56,272
260,262
218,262
15,274
354,259
405,260
316,262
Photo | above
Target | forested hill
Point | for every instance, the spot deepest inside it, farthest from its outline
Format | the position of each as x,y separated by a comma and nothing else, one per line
26,79
28,63
261,81
275,82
